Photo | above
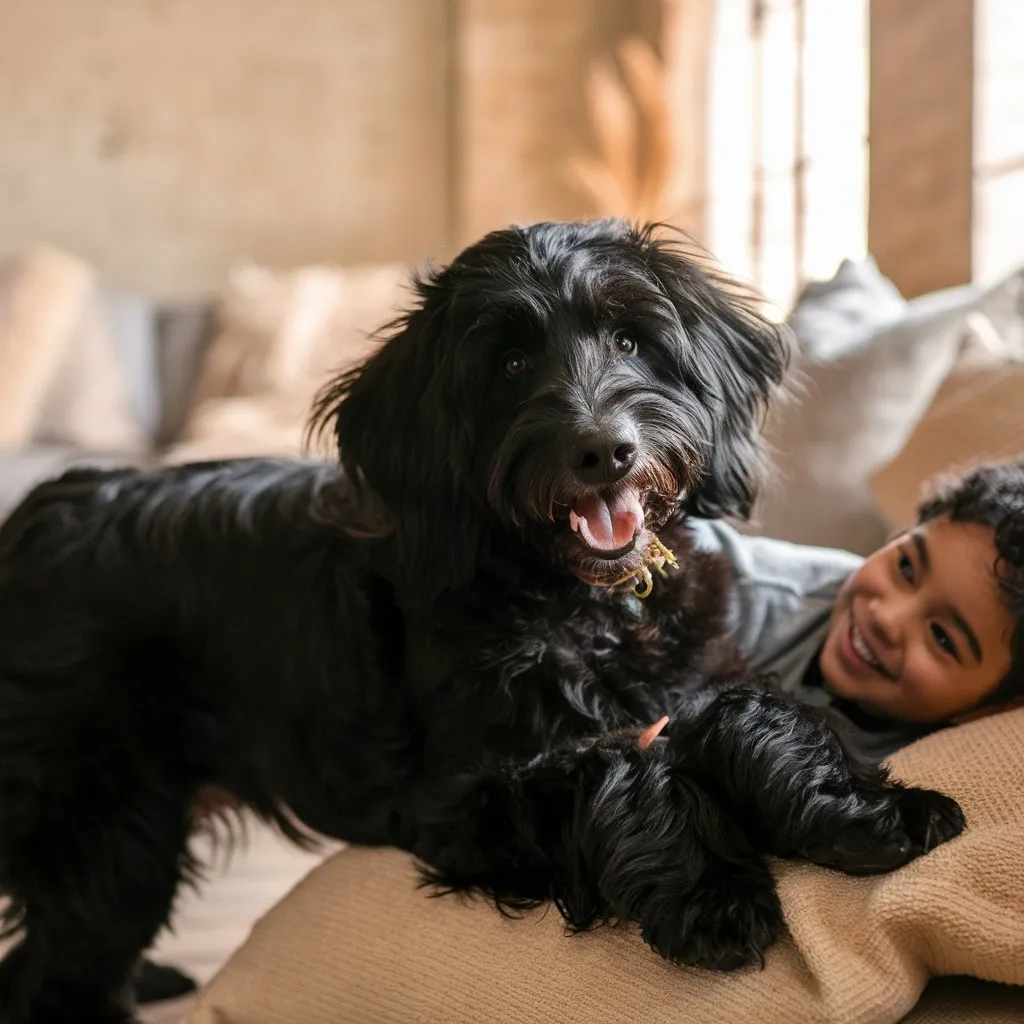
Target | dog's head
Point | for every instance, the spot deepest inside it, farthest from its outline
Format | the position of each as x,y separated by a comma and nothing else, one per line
575,385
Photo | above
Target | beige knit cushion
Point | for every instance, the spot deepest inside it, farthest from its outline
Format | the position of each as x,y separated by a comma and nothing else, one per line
967,1001
977,414
357,942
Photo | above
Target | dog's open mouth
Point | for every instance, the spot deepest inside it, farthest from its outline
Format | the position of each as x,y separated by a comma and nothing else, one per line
612,543
608,523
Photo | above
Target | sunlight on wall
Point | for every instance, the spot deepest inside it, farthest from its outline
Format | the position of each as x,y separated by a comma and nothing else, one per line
788,140
999,138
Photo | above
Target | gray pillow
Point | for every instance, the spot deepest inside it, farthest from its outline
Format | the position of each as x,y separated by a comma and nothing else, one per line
832,318
868,367
184,333
131,320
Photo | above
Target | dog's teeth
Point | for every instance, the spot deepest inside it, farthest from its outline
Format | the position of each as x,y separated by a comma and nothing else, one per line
574,522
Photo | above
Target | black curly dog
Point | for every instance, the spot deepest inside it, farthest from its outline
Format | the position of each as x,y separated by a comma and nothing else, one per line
428,645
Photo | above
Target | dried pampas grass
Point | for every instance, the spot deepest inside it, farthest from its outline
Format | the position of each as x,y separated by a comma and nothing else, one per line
629,112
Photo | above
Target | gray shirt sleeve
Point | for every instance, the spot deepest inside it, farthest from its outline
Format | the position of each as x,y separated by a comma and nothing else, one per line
784,595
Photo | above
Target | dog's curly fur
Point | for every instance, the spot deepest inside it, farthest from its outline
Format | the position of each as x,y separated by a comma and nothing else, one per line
414,647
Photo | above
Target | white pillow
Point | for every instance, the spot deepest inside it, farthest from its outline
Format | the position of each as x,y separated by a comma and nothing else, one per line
868,368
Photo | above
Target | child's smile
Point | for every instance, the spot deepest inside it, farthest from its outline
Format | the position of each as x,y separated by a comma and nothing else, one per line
859,655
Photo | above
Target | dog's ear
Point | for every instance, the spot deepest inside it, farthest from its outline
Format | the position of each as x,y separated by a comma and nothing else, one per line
740,359
404,445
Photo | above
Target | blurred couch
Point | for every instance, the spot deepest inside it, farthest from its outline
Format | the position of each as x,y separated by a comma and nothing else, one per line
88,374
93,375
887,391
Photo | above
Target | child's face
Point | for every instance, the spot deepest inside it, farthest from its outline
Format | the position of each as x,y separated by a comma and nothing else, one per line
920,632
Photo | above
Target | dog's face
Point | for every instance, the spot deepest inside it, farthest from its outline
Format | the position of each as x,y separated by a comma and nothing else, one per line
575,384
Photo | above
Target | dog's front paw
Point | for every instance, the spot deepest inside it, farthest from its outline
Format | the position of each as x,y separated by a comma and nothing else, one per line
906,824
661,852
929,819
727,922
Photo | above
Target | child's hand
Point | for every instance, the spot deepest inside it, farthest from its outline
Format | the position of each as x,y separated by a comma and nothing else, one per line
650,734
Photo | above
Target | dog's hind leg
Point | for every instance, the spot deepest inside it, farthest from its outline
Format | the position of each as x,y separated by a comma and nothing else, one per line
801,793
90,865
89,896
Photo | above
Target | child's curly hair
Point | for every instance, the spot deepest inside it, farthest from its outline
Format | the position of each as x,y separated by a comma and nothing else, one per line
992,494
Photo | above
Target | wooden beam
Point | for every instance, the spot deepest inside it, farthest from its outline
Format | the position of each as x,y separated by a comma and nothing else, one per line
921,141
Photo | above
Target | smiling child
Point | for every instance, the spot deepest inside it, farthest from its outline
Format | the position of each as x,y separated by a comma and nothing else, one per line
924,633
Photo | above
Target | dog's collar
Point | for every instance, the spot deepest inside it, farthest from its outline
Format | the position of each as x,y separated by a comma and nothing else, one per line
660,558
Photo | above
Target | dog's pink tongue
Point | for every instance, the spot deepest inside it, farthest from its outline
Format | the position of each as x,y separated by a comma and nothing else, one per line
609,525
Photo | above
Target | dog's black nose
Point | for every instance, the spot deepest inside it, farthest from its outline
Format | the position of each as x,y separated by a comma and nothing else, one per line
602,457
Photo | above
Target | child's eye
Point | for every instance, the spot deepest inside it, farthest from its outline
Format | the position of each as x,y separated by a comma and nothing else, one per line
944,640
906,567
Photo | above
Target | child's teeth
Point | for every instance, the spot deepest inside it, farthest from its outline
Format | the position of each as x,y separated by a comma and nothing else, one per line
574,522
861,648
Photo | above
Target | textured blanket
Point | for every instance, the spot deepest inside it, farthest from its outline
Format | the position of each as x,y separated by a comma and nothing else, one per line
356,941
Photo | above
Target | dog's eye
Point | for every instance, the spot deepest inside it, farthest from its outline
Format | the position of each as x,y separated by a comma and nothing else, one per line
625,344
515,363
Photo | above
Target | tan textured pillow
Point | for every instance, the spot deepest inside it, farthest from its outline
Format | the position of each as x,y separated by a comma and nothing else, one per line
41,299
977,414
88,404
61,380
280,336
357,942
